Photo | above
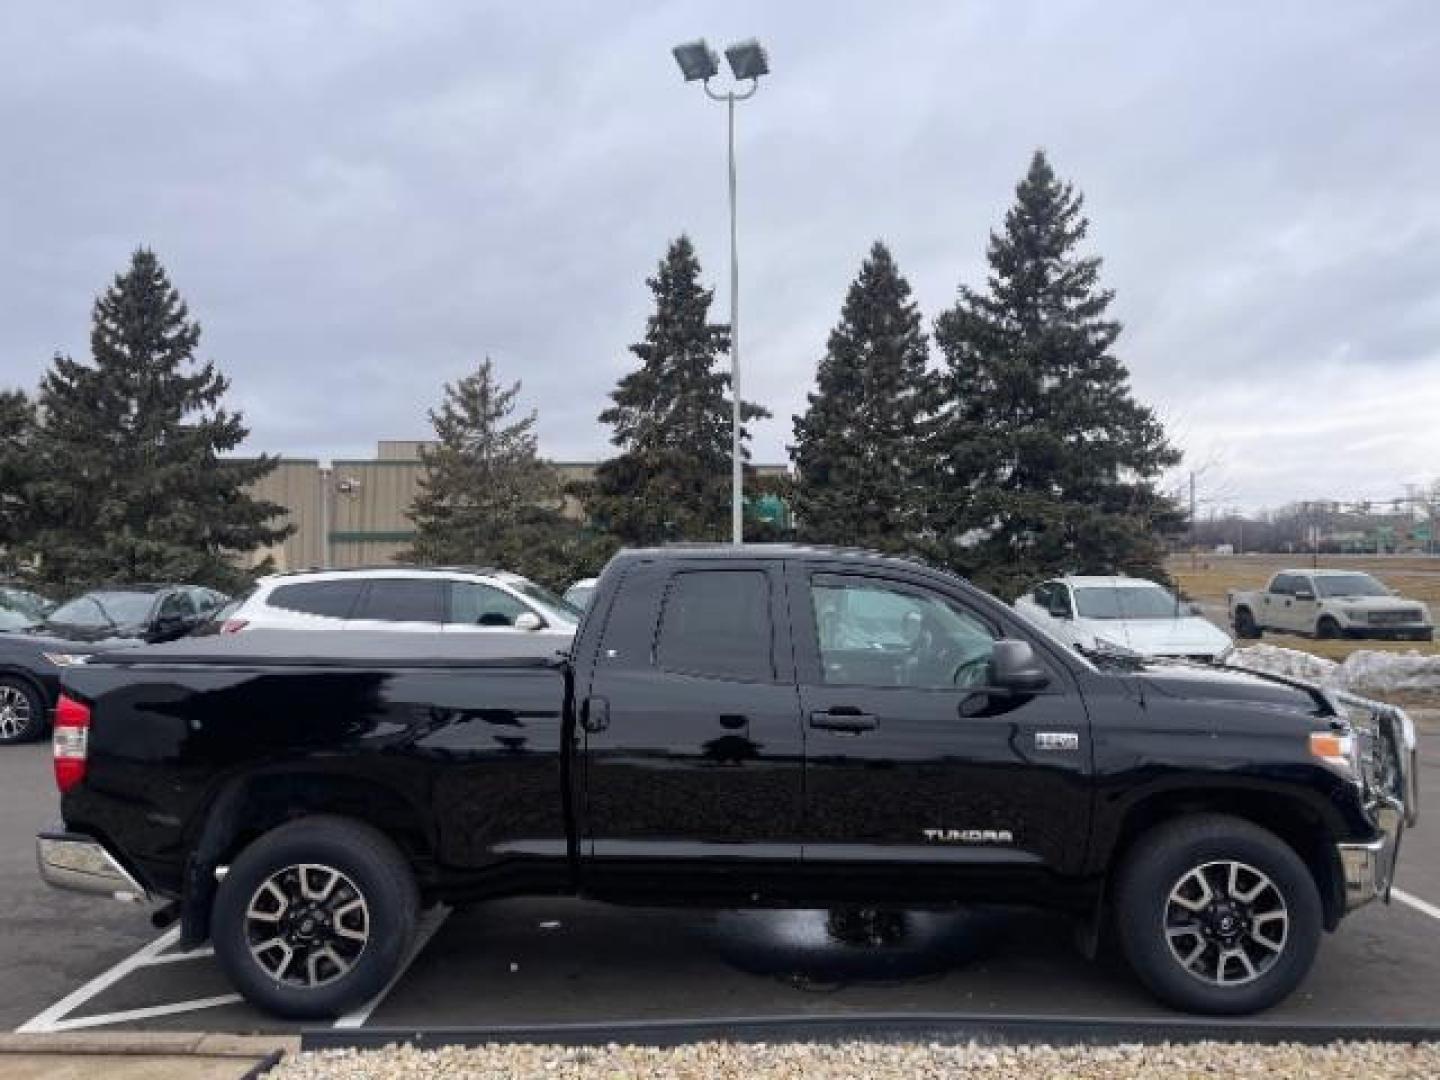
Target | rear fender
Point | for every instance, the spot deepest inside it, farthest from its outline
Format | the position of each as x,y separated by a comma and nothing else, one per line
249,807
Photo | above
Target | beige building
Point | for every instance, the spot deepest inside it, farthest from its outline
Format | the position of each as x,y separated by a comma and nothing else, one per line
361,504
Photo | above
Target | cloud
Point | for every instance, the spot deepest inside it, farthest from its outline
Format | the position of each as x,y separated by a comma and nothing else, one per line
361,200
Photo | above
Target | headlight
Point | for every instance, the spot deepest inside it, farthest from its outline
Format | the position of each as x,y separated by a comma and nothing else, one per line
1337,750
65,659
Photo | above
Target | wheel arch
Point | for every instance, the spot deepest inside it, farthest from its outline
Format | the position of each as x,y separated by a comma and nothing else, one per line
1296,822
250,807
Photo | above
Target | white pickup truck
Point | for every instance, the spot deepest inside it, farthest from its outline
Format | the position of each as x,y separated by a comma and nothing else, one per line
1329,604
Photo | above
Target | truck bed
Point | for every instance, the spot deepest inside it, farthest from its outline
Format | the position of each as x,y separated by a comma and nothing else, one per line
312,648
453,741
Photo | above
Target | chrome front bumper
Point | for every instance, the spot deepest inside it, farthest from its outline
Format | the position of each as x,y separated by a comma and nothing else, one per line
82,864
1393,795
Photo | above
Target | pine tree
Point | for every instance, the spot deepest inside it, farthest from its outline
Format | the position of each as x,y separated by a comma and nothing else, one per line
672,420
17,473
130,483
858,447
1044,461
486,497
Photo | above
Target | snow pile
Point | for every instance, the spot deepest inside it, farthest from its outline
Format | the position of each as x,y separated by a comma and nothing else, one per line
1380,671
1363,671
1287,663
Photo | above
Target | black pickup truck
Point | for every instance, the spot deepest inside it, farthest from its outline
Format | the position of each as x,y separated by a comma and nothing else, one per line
733,726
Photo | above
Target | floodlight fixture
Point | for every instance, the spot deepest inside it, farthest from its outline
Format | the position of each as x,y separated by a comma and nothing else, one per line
747,59
697,60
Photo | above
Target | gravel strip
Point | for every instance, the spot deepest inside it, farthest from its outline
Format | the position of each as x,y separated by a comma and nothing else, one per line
912,1061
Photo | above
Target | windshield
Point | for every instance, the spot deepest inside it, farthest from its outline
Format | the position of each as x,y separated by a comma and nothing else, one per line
552,604
1349,585
1127,602
27,603
10,619
104,609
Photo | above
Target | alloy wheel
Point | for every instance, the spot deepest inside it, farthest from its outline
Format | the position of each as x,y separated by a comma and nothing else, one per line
1226,923
15,715
307,925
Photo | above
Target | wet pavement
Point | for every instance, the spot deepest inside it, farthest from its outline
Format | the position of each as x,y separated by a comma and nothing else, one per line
538,961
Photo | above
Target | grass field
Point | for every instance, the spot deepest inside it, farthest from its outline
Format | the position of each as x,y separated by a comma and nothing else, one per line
1208,578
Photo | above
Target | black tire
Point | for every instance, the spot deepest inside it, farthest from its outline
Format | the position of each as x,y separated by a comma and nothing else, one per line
369,866
22,711
1245,625
1162,860
1327,629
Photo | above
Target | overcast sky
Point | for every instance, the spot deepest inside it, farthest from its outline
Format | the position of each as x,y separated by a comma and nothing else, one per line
360,200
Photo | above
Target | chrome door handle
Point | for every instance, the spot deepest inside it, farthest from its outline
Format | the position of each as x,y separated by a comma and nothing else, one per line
852,722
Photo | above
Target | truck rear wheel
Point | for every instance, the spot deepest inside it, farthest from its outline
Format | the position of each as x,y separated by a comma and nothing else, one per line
1217,915
1245,624
314,918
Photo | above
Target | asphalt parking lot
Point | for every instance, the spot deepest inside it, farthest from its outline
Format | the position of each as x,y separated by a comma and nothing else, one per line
73,963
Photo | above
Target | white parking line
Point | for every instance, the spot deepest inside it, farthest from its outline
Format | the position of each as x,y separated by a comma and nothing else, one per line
176,957
1416,903
47,1020
431,921
101,1019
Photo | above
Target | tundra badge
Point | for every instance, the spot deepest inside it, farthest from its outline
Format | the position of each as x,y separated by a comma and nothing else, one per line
969,836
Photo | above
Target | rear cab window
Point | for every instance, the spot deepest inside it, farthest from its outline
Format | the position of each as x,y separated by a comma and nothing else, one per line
717,623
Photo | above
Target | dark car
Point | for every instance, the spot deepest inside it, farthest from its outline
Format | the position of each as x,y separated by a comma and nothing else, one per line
736,726
114,617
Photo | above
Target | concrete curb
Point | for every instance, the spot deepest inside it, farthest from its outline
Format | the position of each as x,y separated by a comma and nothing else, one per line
810,1028
149,1044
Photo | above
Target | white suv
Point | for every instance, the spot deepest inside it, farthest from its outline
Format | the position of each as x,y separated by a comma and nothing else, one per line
443,599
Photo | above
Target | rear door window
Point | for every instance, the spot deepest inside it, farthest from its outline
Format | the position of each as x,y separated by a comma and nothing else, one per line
331,599
402,600
717,623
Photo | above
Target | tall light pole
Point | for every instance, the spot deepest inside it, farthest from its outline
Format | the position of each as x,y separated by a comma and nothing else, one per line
747,62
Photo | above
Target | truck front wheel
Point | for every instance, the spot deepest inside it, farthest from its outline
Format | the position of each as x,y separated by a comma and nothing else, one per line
314,918
1245,624
1217,915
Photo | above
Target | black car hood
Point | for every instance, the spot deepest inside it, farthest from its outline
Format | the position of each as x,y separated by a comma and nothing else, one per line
1197,682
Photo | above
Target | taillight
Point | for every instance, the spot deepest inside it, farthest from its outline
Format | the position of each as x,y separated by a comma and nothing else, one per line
72,741
233,626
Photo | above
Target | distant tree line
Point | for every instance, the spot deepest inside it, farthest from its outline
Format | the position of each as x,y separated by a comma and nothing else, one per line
1021,452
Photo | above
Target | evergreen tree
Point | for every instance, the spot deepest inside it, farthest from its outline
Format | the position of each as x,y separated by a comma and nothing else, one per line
486,497
17,473
130,484
858,447
671,420
1044,461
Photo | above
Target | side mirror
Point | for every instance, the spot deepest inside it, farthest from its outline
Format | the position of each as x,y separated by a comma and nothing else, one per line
1194,608
528,620
1304,596
1060,610
1013,666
